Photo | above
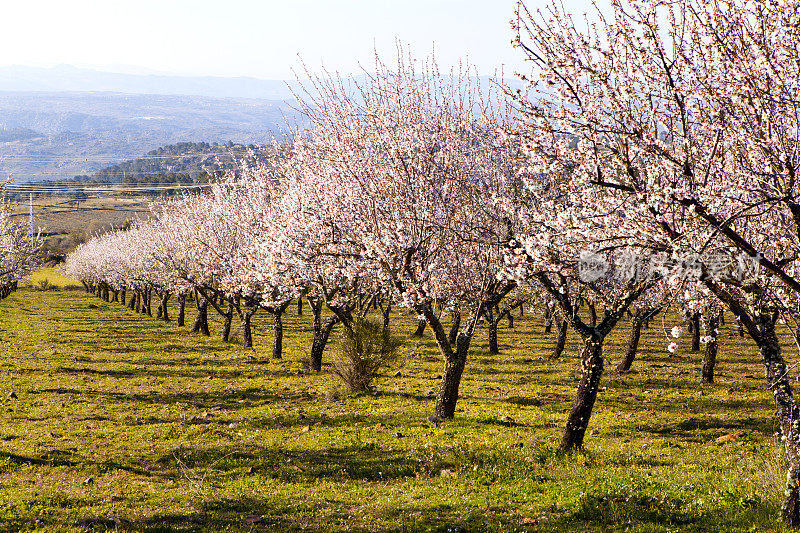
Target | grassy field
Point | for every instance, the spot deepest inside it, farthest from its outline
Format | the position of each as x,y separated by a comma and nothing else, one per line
51,277
124,423
60,215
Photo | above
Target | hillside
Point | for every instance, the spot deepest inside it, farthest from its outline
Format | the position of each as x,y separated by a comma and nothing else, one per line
61,135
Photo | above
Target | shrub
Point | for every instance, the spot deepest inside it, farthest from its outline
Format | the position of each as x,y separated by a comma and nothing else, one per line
363,353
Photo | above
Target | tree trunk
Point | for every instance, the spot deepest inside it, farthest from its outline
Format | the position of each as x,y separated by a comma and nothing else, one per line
451,379
695,322
181,310
247,331
420,328
561,339
164,309
227,319
277,338
299,306
633,341
491,323
592,315
319,342
455,325
548,319
710,324
592,370
386,311
510,318
778,382
201,320
123,297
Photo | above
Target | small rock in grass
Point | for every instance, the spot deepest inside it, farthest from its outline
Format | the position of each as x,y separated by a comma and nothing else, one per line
398,435
306,429
594,432
12,395
88,481
505,419
448,473
253,519
250,470
730,437
433,419
398,374
233,425
517,445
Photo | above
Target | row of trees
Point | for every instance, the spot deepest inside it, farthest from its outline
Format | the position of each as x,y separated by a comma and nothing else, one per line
652,158
18,252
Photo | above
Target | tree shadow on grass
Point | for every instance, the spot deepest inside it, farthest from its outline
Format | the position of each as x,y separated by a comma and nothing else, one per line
65,458
361,462
229,400
595,513
701,429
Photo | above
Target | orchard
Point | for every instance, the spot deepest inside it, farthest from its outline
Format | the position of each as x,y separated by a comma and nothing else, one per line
645,175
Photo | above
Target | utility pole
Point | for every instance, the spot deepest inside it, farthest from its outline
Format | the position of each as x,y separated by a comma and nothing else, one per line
31,215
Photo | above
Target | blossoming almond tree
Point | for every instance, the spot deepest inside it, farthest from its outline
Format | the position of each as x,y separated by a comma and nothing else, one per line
572,254
18,252
685,111
395,181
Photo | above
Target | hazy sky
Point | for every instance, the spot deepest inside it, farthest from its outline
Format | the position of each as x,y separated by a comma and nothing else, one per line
255,38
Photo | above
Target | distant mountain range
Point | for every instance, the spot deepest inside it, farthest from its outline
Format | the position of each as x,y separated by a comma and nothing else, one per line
64,134
73,79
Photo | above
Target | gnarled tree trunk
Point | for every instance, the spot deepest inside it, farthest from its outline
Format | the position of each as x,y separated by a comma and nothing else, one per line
247,329
320,340
201,319
227,320
561,339
454,365
277,320
694,320
181,310
491,323
639,320
710,325
455,325
591,372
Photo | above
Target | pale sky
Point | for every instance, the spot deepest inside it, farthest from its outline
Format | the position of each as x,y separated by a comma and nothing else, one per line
261,39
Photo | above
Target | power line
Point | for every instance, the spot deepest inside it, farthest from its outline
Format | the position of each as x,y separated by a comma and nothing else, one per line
100,189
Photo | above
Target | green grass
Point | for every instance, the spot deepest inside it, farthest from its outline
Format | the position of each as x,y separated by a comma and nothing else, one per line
51,277
125,423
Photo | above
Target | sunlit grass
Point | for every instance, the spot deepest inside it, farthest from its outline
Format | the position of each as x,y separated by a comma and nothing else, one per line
122,422
51,277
